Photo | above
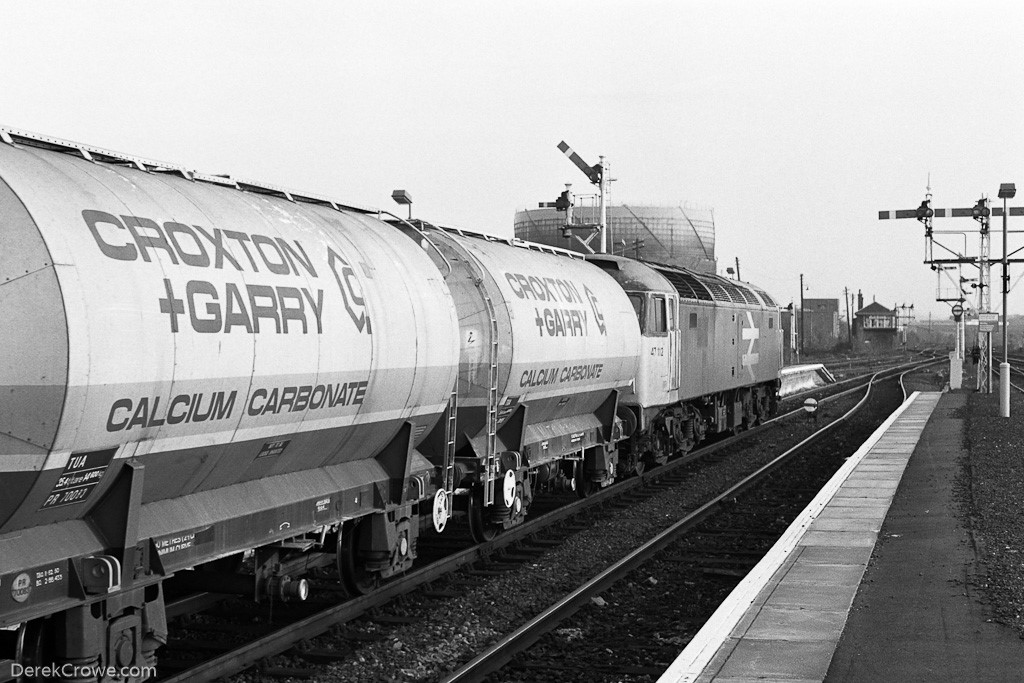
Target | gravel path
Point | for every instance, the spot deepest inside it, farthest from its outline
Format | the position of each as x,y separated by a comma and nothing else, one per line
992,491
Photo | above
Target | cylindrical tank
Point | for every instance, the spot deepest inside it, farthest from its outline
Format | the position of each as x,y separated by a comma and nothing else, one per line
216,335
679,235
566,332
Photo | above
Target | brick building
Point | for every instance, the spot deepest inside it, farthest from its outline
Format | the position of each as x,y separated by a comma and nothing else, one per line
821,324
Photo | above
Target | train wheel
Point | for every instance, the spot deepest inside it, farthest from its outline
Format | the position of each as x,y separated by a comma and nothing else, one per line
762,409
354,576
585,486
480,529
34,645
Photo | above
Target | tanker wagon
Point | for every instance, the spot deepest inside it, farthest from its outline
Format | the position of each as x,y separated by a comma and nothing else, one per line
548,344
192,367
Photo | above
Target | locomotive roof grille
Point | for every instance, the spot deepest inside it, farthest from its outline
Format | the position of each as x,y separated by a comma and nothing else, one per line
735,295
737,288
687,285
703,287
749,296
767,299
719,292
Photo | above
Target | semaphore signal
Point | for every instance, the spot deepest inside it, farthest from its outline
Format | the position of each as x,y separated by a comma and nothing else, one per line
982,213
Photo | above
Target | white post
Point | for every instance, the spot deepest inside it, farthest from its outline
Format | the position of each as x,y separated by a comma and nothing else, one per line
793,335
988,338
961,339
1004,389
956,358
602,221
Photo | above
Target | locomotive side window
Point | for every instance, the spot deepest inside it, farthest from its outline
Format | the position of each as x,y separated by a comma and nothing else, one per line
657,320
638,305
693,321
771,323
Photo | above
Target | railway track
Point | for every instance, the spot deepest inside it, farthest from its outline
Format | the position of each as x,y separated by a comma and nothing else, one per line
843,385
916,379
844,368
724,537
477,562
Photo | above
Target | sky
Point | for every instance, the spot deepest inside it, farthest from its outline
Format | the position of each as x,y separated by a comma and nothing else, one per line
795,121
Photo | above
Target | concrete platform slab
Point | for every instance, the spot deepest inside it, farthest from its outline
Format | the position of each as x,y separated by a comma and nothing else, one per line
853,512
864,539
799,659
833,555
872,524
774,623
850,500
811,597
846,495
868,491
871,479
825,574
879,466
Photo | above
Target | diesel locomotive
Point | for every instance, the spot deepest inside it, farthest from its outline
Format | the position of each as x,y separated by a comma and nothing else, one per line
215,381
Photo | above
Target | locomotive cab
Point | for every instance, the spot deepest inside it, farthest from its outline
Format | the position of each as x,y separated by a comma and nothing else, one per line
657,380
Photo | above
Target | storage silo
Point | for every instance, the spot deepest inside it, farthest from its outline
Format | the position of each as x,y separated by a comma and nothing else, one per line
679,235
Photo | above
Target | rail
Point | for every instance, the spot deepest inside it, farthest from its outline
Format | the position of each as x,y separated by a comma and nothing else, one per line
502,652
903,386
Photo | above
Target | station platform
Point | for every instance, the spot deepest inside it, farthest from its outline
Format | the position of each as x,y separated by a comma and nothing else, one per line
820,607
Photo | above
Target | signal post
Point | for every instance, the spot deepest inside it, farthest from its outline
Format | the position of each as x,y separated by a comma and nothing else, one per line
954,261
598,175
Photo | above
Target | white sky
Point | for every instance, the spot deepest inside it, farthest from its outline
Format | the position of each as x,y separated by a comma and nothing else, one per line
796,121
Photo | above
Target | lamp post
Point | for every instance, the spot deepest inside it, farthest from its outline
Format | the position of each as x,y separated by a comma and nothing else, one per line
402,197
1006,191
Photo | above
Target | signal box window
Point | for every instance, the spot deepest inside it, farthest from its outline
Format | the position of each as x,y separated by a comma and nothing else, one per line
638,306
657,320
